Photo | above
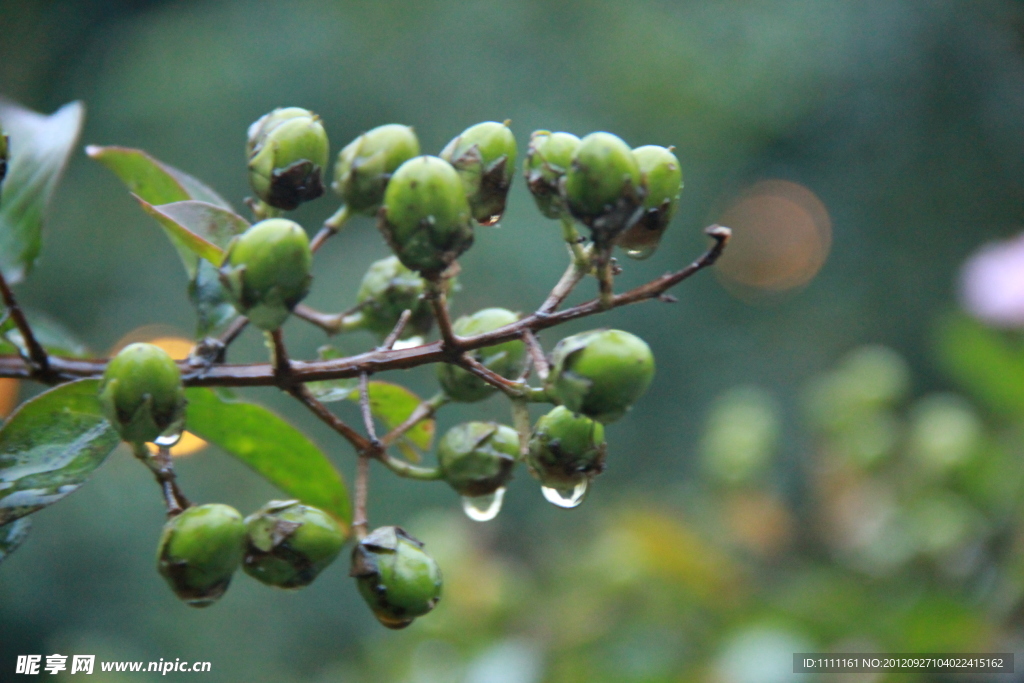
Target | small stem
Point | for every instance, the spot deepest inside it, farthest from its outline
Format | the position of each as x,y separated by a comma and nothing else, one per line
606,284
540,360
408,470
423,411
358,441
261,210
510,387
359,521
331,227
162,468
580,255
331,323
229,335
438,299
521,421
389,341
279,356
36,353
366,410
570,278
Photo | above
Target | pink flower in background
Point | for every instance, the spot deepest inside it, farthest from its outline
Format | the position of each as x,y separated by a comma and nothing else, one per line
992,283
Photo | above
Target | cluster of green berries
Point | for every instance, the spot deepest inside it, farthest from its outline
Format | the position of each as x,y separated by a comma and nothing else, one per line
426,208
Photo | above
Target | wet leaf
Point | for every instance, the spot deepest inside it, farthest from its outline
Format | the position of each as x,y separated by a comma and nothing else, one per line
274,449
332,389
13,535
154,181
211,300
392,404
191,245
39,149
50,446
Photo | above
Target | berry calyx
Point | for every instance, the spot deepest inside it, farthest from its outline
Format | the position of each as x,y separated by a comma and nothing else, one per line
566,449
477,458
287,151
662,180
396,578
288,544
485,157
548,157
365,165
602,186
507,359
387,290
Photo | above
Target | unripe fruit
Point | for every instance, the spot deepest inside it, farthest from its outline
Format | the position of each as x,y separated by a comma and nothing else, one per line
396,578
142,394
602,186
288,544
566,449
485,157
267,271
547,159
425,218
600,373
477,457
662,180
507,358
366,164
388,289
287,151
199,551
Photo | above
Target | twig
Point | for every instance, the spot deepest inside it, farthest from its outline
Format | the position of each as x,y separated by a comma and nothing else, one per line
331,323
237,375
365,409
229,335
162,468
540,360
330,228
358,441
389,341
36,353
279,357
359,522
438,299
570,278
521,421
510,387
423,411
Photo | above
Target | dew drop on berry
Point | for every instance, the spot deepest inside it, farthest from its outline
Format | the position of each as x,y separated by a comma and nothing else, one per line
483,508
641,253
566,498
169,439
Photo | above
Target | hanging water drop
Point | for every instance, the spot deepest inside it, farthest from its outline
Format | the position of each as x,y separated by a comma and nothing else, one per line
169,439
640,253
483,508
490,220
566,498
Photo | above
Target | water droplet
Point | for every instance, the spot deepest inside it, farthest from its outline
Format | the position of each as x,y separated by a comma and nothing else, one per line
169,439
566,498
490,220
484,508
643,252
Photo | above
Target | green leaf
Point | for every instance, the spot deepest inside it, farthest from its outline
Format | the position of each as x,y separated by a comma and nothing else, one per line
986,362
57,340
330,390
13,535
211,299
39,150
277,451
153,180
190,245
50,446
392,404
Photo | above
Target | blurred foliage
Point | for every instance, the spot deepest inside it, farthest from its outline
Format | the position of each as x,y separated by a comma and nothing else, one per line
762,499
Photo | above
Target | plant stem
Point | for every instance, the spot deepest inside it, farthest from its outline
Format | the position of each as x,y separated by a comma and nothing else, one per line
37,355
163,469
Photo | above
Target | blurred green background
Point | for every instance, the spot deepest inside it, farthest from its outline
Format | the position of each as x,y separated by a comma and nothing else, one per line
822,462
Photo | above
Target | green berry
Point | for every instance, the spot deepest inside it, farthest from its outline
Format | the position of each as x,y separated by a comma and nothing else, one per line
267,271
485,157
199,551
507,359
600,373
287,151
662,181
366,164
289,544
426,218
142,394
566,449
477,457
396,578
602,186
548,157
387,290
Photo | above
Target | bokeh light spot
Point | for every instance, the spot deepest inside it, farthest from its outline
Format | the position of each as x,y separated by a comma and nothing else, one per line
782,235
8,396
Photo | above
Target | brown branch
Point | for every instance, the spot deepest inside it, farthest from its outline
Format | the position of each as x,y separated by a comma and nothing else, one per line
238,375
509,386
36,353
367,411
389,341
303,394
540,360
423,411
331,323
163,470
570,278
362,485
